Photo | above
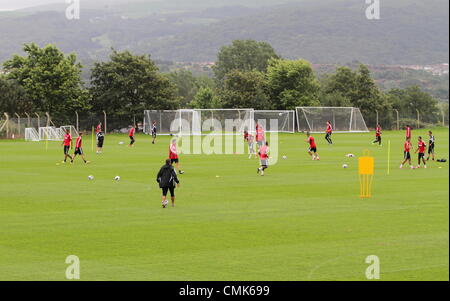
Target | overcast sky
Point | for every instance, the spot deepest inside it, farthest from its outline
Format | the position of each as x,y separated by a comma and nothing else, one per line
16,4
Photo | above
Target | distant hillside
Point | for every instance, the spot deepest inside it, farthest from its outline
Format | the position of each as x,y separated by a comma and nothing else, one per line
416,32
325,31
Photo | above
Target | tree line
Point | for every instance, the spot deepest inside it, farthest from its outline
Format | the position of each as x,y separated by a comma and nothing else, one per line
247,74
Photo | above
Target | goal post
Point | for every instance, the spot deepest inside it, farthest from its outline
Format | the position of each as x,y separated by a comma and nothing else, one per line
342,119
31,134
199,121
285,120
72,130
50,133
163,118
225,121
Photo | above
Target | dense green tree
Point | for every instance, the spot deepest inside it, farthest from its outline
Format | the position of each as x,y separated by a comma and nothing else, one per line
291,84
50,79
369,99
356,88
342,82
243,55
13,98
205,99
129,84
188,85
245,89
408,100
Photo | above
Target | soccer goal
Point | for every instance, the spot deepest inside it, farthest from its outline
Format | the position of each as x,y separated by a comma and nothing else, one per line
31,134
225,121
172,122
281,121
72,130
342,119
50,133
199,121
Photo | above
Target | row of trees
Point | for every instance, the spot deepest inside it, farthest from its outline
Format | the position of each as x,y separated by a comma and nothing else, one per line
247,74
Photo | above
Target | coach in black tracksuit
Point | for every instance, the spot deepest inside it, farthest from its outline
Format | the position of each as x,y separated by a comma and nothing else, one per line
167,177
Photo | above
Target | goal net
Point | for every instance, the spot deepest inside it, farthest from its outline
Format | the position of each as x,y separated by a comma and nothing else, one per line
199,121
31,134
281,121
72,130
164,119
226,121
50,133
342,119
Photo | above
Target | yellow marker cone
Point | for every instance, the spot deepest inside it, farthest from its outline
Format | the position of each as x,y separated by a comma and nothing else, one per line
366,171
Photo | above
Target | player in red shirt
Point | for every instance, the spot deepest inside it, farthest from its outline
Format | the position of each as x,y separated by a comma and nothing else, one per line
406,153
264,158
173,155
99,128
312,150
67,143
131,135
79,148
245,135
408,132
259,135
421,149
377,135
249,138
329,132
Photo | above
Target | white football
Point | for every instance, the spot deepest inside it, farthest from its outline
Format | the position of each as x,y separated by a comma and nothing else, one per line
344,165
90,178
279,114
121,142
117,178
284,157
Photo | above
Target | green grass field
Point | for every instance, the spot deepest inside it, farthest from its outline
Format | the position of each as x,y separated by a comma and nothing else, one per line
303,220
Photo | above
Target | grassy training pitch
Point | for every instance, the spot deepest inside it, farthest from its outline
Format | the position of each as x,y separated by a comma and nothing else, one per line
303,220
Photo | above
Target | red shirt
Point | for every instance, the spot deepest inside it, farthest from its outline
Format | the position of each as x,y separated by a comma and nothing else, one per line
422,147
67,139
408,132
407,146
99,128
329,128
78,142
259,134
378,131
246,136
312,144
173,151
263,152
131,132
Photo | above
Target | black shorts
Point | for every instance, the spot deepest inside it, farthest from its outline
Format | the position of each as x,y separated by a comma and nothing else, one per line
171,189
78,151
421,155
174,160
313,149
100,142
131,138
66,149
154,134
431,149
406,155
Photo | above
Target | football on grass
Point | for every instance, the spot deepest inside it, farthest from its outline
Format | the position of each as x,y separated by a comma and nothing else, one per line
117,178
344,165
90,178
